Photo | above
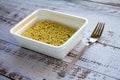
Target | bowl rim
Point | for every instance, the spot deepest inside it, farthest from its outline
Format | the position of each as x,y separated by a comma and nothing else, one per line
50,45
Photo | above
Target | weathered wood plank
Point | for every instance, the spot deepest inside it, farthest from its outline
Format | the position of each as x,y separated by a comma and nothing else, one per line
93,17
31,65
100,62
4,78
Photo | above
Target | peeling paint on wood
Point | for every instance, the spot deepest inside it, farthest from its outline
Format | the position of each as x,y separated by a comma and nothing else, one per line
99,62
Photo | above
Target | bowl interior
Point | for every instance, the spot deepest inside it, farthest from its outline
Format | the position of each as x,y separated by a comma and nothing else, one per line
65,19
73,22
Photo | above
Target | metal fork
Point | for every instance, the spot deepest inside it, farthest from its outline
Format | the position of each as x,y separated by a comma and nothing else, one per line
93,38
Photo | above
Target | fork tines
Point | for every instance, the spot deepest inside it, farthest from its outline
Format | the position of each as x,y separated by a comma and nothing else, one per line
99,29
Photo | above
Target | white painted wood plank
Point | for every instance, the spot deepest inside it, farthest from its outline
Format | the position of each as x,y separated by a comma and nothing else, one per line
100,58
111,34
3,78
107,1
32,66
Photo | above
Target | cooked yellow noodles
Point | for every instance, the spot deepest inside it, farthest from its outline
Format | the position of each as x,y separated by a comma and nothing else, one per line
49,32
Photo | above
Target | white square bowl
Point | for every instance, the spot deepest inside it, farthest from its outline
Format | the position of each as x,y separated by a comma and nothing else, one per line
58,52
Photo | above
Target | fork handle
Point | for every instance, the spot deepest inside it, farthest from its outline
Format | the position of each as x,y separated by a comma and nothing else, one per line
67,69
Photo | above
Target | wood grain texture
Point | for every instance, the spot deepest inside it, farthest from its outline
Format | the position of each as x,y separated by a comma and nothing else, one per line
99,62
3,78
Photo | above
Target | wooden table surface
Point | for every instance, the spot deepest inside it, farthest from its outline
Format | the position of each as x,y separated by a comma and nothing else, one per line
100,62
